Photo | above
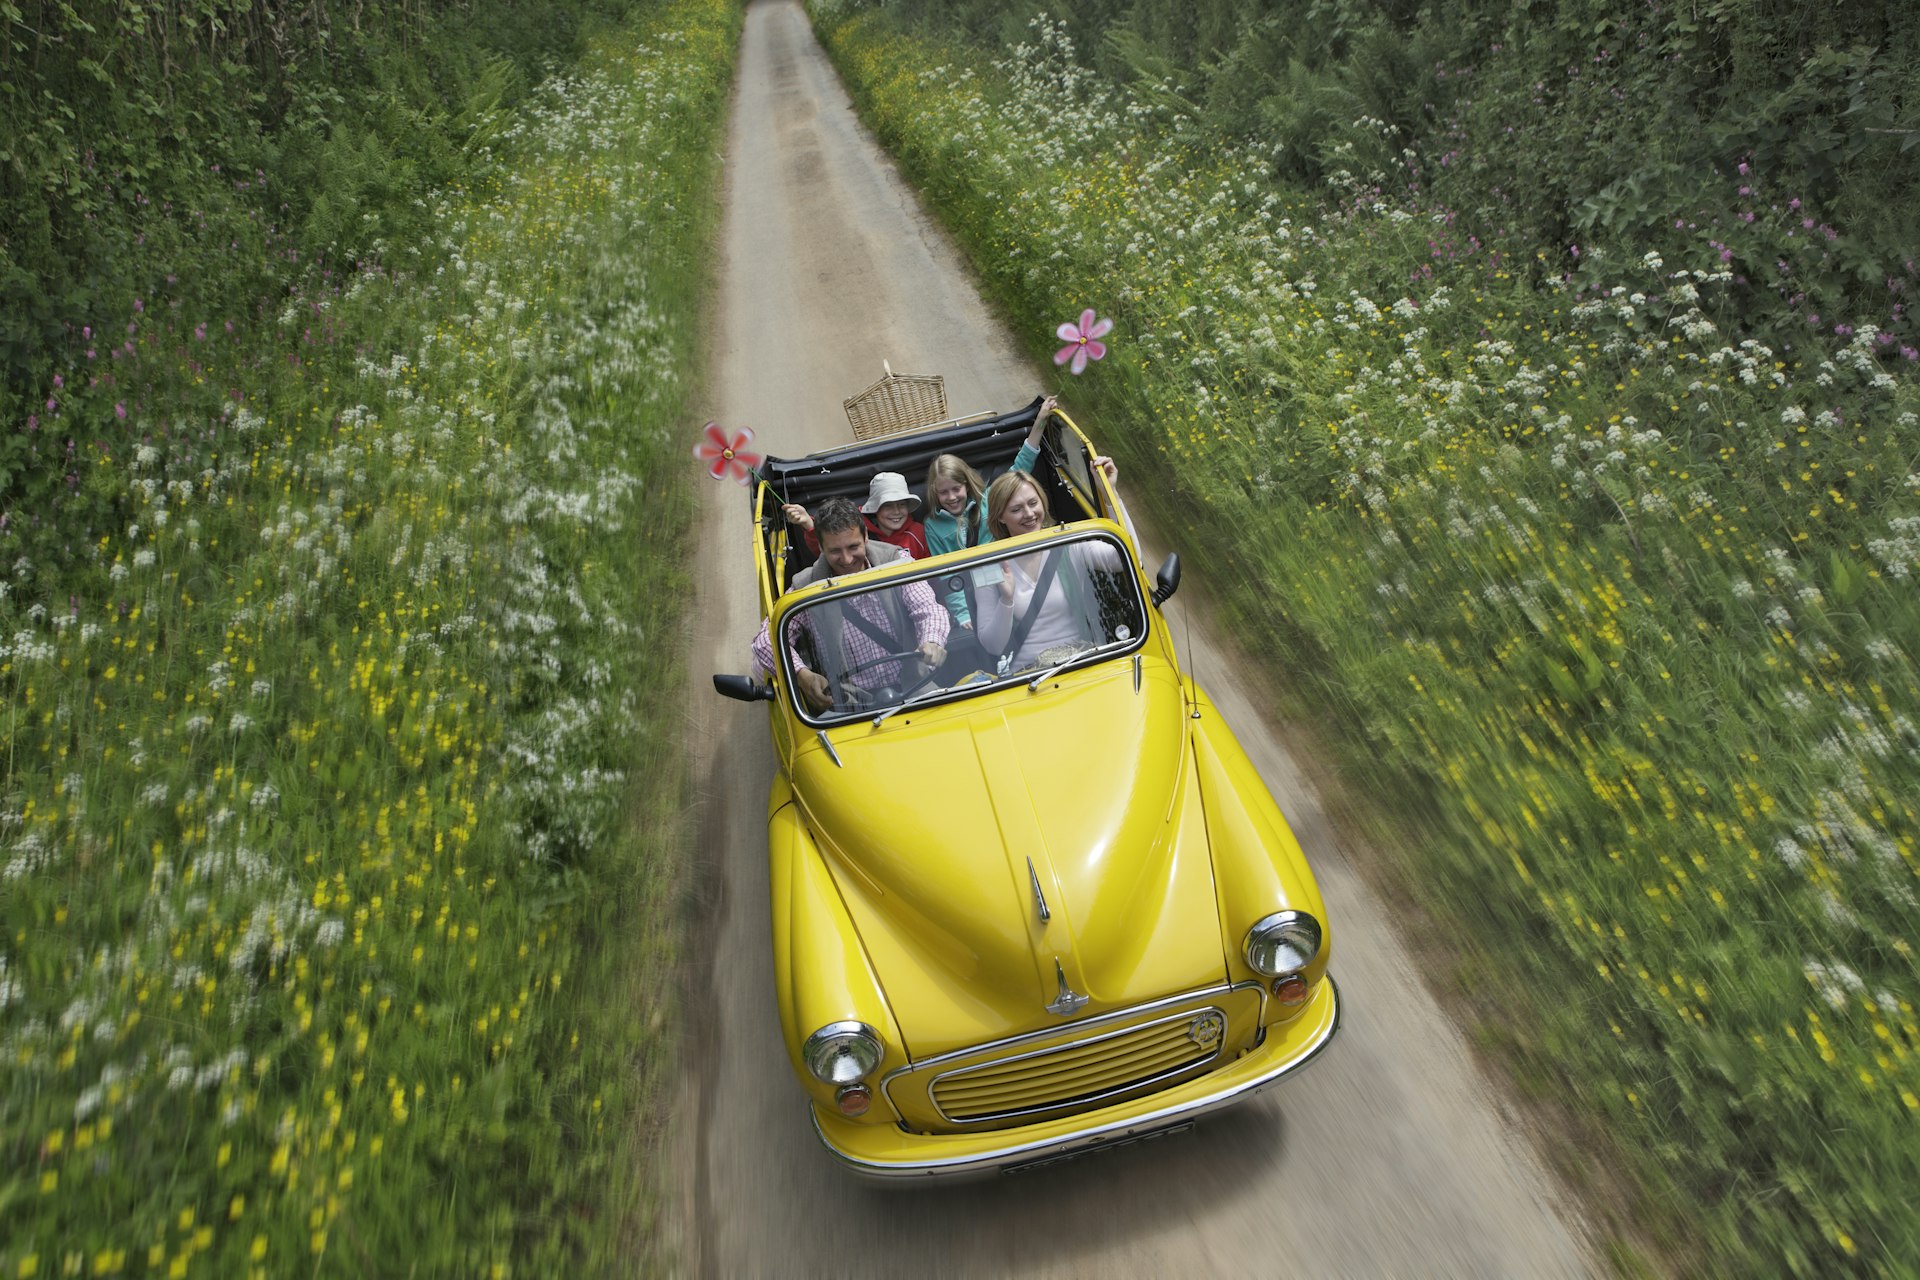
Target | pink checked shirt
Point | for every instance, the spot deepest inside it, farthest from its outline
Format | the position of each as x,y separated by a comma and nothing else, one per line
930,622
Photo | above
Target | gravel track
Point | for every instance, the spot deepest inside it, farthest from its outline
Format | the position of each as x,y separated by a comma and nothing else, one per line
1389,1157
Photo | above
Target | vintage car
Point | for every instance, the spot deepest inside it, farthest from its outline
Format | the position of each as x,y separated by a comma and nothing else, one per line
1025,904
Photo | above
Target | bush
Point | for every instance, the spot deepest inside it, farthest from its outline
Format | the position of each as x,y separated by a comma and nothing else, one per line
198,155
1568,127
338,824
1614,595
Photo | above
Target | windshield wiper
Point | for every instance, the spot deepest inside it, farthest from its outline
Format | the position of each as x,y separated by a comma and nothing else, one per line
1033,685
924,694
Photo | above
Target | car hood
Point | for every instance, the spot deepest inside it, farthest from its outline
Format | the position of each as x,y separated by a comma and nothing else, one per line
948,834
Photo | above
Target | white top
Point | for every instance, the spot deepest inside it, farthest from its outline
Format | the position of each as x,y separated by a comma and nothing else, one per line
1058,622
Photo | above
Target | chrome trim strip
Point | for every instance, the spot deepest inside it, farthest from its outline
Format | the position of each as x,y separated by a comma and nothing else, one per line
1039,898
1136,673
832,755
1203,994
963,1072
1113,1132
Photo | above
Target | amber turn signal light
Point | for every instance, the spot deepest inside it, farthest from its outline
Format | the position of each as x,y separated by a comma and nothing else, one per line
853,1099
1291,989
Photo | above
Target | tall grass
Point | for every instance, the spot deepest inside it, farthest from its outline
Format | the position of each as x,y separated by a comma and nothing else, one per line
1619,597
320,800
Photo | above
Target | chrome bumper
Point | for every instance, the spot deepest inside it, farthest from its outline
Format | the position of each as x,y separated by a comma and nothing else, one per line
1213,1092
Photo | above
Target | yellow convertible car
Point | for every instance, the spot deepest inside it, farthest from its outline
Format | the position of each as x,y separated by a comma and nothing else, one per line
1030,898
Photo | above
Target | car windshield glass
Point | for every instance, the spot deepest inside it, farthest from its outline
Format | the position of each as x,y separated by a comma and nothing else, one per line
963,627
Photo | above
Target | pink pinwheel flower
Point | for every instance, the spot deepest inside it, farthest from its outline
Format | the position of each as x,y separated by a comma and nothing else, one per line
727,457
1080,339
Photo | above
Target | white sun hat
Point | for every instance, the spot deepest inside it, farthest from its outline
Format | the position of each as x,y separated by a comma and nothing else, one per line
888,486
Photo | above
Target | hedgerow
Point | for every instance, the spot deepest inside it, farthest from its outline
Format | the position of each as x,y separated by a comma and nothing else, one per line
1615,594
334,912
207,156
1783,137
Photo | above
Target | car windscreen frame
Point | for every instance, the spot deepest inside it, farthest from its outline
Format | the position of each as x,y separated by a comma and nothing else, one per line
973,563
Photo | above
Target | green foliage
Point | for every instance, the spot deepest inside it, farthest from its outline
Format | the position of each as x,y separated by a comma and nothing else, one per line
198,154
337,817
1616,592
1595,124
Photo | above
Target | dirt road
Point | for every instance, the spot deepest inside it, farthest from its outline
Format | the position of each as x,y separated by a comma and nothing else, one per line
1389,1157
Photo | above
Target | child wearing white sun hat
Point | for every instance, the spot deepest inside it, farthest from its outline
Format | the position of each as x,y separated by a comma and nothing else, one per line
889,511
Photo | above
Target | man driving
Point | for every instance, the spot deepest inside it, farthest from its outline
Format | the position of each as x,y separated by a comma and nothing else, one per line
866,640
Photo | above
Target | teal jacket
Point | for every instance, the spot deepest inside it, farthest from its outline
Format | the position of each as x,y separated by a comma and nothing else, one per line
948,532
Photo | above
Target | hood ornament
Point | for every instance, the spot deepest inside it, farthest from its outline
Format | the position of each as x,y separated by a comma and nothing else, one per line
1069,1001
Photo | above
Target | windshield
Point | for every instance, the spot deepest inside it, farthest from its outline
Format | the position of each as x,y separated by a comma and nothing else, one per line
962,628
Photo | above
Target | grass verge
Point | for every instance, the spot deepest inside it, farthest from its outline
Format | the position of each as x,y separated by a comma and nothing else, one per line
1613,598
328,849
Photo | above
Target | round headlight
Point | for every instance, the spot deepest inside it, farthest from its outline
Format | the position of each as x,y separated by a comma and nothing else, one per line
842,1052
1284,942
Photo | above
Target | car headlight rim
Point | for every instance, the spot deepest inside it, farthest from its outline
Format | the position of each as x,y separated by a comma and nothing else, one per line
1282,943
842,1053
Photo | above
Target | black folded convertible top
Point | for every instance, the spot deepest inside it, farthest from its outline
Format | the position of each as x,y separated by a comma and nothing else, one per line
989,445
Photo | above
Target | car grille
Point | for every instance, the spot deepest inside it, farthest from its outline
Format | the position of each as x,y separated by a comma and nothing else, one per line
1080,1074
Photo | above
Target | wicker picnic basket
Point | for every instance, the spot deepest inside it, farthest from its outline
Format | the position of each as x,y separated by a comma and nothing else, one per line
898,402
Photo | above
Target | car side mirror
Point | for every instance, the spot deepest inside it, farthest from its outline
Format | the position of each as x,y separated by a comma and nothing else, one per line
745,688
1167,580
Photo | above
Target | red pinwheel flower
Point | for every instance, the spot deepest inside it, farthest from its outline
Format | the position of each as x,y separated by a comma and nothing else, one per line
1080,339
727,457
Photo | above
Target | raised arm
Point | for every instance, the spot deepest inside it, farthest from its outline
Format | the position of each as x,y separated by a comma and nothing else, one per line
1111,469
1030,451
799,518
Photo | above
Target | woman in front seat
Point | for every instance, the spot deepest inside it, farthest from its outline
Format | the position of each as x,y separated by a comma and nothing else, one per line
1015,506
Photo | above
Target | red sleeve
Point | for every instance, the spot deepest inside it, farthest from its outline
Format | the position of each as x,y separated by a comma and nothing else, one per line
910,538
813,541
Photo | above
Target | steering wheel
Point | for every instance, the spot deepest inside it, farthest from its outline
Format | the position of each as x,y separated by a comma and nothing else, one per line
857,697
925,679
858,667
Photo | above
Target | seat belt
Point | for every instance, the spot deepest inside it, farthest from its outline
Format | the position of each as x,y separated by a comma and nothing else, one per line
874,631
1023,625
832,670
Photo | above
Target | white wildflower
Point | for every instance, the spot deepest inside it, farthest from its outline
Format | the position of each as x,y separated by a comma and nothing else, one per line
1833,980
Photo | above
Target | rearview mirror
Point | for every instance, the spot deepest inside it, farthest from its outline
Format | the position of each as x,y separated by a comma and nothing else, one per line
745,688
1167,580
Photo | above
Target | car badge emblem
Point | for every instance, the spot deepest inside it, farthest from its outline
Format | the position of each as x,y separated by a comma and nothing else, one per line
1207,1029
1069,1001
